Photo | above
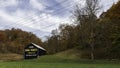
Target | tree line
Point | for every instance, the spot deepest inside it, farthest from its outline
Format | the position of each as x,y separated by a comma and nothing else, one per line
14,40
95,37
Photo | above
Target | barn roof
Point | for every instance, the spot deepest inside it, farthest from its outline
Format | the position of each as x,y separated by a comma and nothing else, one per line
39,46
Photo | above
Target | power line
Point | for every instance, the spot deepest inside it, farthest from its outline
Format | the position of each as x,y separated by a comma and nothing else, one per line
63,1
57,12
56,5
33,20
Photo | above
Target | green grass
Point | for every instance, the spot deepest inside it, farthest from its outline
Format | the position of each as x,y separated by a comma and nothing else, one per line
70,53
58,62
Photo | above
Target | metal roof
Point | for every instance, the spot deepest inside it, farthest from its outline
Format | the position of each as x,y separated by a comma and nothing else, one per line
38,46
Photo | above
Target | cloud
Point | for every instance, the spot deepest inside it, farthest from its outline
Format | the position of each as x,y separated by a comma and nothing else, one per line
42,23
6,16
5,3
107,4
68,4
45,21
42,17
37,5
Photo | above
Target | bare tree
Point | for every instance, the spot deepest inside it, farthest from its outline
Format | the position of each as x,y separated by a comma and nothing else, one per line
86,18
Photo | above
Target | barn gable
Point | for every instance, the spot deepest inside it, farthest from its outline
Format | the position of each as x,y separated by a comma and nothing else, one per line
33,51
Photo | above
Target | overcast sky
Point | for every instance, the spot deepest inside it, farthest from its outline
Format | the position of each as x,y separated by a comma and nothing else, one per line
39,16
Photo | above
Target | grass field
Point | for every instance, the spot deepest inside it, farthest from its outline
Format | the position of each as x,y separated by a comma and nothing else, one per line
58,62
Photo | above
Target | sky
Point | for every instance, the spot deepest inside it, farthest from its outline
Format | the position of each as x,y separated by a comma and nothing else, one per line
40,16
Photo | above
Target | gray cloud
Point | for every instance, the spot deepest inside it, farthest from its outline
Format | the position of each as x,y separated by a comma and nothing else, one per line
41,17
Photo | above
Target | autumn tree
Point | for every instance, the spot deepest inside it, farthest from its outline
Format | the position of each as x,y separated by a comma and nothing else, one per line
67,35
86,18
61,39
111,31
14,40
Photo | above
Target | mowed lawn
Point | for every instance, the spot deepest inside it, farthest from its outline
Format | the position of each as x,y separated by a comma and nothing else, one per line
57,62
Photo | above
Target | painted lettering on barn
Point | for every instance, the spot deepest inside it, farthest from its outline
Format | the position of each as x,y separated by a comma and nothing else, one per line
33,51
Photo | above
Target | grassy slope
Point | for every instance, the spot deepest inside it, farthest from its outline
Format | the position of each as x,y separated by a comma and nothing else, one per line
65,59
71,53
10,57
58,62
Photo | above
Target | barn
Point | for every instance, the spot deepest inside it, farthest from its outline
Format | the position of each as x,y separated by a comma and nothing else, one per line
33,51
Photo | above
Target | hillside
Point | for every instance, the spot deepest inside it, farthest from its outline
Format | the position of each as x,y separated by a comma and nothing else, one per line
100,40
14,40
10,57
70,53
114,11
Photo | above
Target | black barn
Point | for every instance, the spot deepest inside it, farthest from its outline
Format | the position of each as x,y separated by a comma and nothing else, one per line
33,51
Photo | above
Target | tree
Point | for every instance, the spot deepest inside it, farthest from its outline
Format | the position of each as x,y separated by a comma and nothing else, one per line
87,21
15,40
52,44
111,21
67,35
